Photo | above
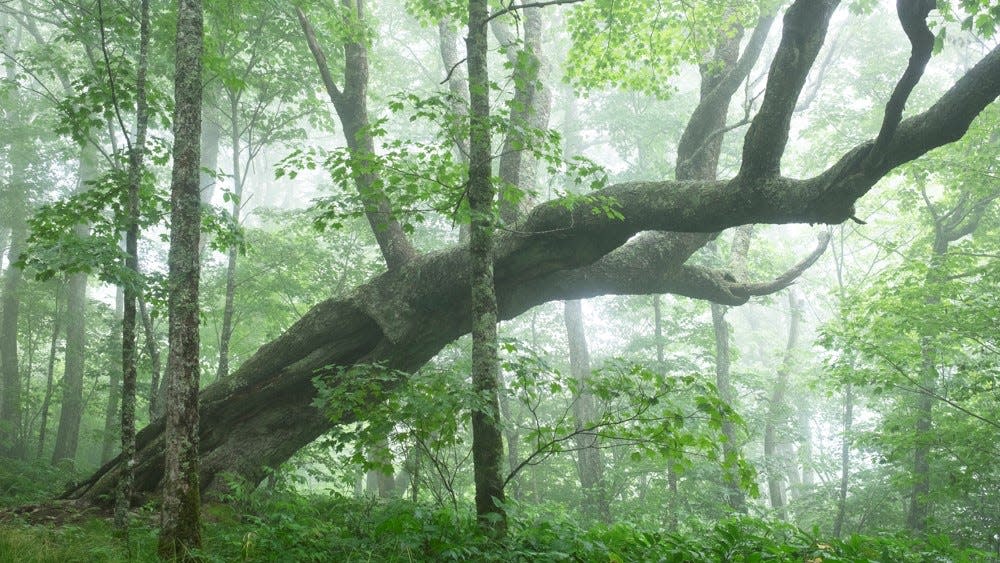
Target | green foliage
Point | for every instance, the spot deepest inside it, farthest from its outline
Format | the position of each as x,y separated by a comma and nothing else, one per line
979,16
423,176
56,244
31,481
289,527
641,44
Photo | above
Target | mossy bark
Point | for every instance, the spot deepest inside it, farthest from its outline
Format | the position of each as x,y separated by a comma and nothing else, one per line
260,415
487,441
180,517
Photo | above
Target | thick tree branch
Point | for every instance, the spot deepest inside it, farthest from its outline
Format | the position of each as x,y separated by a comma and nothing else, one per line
913,17
402,318
324,69
804,29
648,265
351,106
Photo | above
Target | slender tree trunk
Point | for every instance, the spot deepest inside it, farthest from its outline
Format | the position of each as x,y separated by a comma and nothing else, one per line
730,450
845,461
778,410
515,490
227,312
157,387
11,444
673,501
529,109
132,287
180,517
458,85
487,442
379,482
111,438
698,159
804,453
11,441
589,460
211,137
50,373
71,410
916,519
351,105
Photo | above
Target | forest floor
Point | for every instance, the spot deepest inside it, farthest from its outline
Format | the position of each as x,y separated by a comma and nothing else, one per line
288,526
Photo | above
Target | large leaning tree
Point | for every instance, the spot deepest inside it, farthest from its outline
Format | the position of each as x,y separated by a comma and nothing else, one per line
262,413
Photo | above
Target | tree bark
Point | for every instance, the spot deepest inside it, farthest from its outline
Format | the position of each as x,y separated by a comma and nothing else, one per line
351,106
180,517
228,309
487,441
112,412
10,408
590,464
845,461
157,388
778,410
804,452
529,109
260,415
50,373
132,288
673,503
71,409
730,449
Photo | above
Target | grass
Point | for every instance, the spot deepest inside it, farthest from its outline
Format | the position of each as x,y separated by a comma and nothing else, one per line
299,528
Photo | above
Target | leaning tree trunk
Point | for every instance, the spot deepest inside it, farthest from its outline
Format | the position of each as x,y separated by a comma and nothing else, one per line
260,415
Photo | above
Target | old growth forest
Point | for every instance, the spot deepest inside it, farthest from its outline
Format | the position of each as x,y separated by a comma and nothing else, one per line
500,280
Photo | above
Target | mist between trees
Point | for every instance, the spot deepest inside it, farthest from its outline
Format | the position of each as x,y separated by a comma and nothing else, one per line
560,280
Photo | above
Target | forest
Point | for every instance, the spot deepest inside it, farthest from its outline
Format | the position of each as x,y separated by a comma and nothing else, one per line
500,280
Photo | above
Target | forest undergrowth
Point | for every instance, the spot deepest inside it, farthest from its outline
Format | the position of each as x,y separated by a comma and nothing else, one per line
280,524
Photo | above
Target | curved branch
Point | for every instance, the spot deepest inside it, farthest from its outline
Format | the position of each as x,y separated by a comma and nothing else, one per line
913,17
804,29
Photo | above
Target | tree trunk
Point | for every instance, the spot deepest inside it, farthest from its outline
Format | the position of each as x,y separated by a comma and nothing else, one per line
227,312
845,461
351,106
180,517
916,519
111,437
774,461
11,444
211,136
804,453
157,387
515,490
50,373
529,109
379,482
71,409
673,503
401,318
487,441
132,289
730,449
458,85
590,464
